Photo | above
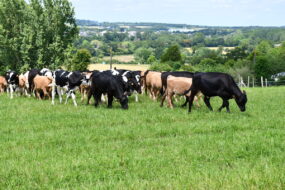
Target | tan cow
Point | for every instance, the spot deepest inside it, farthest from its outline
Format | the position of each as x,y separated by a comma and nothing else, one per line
177,86
85,86
3,84
23,84
153,83
42,84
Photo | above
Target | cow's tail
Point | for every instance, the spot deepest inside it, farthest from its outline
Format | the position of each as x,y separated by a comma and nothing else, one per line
145,87
187,91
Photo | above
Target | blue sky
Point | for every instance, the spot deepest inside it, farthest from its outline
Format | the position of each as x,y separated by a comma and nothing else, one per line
196,12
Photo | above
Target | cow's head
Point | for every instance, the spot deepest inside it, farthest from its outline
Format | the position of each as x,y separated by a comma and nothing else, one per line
124,102
241,101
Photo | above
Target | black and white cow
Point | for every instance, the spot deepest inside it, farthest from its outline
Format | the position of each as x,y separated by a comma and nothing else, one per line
12,79
132,78
65,80
112,85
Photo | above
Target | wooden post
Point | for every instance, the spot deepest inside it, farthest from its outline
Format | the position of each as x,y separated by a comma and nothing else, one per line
111,58
252,82
261,82
266,82
248,80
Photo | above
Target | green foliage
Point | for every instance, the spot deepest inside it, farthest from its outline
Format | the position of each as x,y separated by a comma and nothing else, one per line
172,54
81,60
36,33
151,59
160,67
143,54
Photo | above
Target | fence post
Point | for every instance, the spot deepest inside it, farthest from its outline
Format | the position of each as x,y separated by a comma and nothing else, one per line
261,82
252,82
248,80
266,82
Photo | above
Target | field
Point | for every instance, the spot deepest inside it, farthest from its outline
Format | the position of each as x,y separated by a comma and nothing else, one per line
121,58
145,147
118,66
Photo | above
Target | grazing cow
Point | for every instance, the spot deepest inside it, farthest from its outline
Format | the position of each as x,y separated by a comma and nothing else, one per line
133,80
164,76
217,84
3,84
112,85
12,79
42,84
69,81
153,83
177,86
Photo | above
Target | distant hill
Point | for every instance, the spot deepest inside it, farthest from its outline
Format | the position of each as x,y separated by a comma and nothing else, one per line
80,22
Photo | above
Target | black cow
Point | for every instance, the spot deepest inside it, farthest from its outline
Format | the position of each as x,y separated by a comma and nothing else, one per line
112,85
32,74
164,76
12,79
69,81
217,84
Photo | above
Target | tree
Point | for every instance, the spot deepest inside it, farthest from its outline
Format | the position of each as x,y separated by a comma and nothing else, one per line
81,60
36,34
172,54
142,55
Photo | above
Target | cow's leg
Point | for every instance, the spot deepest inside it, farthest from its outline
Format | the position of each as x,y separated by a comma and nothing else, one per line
136,96
89,96
60,93
11,91
110,100
163,98
68,94
170,102
191,99
225,104
207,102
52,94
97,97
185,103
73,98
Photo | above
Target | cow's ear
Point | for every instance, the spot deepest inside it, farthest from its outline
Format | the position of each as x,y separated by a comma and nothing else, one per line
244,92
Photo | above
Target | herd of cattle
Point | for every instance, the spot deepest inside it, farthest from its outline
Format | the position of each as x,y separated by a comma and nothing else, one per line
123,83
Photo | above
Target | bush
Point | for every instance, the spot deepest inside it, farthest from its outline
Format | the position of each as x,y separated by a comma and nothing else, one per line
160,67
81,60
172,54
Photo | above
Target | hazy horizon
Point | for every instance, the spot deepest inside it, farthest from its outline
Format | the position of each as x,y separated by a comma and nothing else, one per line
191,12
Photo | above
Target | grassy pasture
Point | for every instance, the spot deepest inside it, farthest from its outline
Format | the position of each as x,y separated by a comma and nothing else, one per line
146,147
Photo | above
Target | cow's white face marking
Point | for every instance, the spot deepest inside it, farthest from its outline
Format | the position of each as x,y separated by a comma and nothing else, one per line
125,79
48,74
114,72
138,78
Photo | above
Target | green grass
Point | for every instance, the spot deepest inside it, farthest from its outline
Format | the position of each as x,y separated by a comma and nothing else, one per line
146,147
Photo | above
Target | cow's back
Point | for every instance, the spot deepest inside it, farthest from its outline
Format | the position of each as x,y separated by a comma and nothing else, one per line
213,83
178,85
41,82
153,79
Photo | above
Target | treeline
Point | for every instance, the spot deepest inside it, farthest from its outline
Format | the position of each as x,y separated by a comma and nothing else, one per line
264,60
36,34
124,43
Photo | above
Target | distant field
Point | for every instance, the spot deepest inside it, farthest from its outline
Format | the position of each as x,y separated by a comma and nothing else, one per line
121,58
213,48
118,66
145,147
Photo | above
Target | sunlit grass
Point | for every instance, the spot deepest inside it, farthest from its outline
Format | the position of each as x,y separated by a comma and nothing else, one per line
146,147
